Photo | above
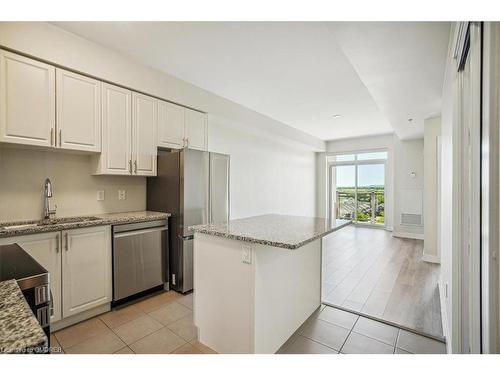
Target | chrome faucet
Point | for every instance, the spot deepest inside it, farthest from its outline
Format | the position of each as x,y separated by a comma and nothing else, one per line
48,194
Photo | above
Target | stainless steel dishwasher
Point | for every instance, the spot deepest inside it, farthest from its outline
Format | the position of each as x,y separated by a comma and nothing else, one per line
140,259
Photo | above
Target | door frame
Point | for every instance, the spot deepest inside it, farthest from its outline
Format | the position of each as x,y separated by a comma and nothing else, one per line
490,192
467,295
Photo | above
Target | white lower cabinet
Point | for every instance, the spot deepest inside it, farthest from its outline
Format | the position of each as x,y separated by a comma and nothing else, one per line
45,248
86,269
79,263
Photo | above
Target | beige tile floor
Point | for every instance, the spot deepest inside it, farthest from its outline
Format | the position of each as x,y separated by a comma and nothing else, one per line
160,324
163,324
330,331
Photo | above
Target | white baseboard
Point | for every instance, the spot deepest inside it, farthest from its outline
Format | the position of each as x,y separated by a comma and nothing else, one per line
431,258
416,236
444,317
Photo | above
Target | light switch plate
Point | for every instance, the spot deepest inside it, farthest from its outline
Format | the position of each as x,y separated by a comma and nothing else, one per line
246,253
122,195
100,195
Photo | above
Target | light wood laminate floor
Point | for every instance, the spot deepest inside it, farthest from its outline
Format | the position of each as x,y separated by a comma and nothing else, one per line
366,270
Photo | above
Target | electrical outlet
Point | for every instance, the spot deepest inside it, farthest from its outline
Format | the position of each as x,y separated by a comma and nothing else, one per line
246,253
122,195
100,195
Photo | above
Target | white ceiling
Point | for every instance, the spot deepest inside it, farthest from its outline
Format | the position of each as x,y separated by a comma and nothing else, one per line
402,66
375,75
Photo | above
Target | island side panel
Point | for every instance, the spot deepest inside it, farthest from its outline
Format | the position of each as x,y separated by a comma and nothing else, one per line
223,295
287,292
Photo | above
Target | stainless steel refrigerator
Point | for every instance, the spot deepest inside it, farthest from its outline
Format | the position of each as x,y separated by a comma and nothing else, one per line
194,187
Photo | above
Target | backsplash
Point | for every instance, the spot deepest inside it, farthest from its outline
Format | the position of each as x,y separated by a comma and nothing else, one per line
22,176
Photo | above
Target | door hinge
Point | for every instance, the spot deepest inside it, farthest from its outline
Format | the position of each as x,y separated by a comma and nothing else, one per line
173,279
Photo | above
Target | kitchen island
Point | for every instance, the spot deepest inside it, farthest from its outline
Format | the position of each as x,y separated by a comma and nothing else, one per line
256,280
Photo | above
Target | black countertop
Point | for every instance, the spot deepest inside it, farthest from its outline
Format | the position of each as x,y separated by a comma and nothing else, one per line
17,264
20,331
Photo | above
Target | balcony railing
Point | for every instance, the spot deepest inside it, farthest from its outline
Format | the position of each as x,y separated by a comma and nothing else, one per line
370,207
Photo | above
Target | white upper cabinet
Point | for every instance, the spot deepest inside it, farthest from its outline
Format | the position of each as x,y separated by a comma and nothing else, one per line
41,105
181,127
144,125
195,129
129,123
86,269
170,125
78,112
27,101
116,153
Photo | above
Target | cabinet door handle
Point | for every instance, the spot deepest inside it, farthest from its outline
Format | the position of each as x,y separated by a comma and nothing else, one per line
52,136
66,241
57,243
130,166
135,166
60,137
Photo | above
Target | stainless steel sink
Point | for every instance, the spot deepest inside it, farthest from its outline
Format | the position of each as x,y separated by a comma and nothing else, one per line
18,226
62,220
69,220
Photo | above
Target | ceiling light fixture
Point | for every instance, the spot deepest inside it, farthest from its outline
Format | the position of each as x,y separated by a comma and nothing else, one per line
410,121
336,116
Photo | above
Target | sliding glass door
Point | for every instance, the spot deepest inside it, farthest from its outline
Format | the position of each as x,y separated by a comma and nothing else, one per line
345,193
371,193
357,187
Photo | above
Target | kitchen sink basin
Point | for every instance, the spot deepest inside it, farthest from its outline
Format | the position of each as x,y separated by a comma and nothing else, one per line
69,220
18,226
62,220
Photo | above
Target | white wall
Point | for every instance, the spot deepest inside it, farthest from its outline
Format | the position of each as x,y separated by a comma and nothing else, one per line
321,185
266,176
22,177
408,158
272,164
432,146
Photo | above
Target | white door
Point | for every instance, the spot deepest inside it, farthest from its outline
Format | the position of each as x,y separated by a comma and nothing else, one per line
27,101
144,134
196,129
170,125
116,156
78,112
45,248
86,269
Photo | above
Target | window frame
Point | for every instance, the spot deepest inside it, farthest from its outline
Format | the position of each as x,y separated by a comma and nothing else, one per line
356,163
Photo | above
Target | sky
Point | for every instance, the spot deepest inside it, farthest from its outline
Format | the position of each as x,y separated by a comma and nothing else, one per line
367,175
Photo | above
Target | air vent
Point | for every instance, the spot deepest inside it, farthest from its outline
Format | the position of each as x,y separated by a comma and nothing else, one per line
411,219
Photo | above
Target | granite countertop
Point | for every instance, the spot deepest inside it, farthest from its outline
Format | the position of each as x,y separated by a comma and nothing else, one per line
57,224
288,232
20,331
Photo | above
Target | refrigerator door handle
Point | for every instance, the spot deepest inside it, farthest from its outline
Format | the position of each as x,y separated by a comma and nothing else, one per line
210,205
